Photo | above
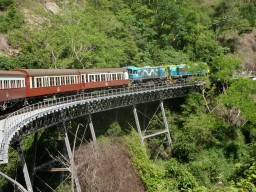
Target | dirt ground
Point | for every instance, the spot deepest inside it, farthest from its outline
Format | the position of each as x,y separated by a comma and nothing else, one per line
106,168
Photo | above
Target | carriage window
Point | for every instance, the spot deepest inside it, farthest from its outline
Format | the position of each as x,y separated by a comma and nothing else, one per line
38,82
6,84
51,81
91,78
45,82
83,78
107,77
57,80
12,83
54,81
42,82
114,76
103,77
97,77
86,78
31,82
62,80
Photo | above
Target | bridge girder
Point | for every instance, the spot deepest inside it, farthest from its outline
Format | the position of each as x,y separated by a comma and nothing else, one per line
87,107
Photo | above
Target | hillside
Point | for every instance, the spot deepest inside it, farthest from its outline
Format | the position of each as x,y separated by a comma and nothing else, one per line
246,48
213,130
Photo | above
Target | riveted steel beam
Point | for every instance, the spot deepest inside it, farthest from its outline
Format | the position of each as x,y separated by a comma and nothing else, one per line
24,168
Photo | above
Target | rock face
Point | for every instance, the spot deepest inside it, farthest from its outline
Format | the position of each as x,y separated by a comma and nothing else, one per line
52,7
5,48
246,49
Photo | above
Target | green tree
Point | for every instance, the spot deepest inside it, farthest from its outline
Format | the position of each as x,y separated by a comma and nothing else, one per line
11,19
4,4
222,69
241,96
248,11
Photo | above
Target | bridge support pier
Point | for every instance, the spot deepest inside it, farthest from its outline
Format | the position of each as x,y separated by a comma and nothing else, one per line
72,168
138,124
165,131
24,168
92,129
32,173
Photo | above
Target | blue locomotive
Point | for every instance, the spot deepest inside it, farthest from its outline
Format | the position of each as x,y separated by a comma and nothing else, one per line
143,74
170,72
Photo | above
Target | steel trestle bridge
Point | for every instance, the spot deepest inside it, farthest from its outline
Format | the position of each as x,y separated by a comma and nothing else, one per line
33,118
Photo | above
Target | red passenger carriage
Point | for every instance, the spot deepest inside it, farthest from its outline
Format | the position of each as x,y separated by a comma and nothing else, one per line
35,84
100,78
12,87
40,82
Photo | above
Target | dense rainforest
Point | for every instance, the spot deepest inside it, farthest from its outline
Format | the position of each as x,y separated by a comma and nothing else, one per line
213,131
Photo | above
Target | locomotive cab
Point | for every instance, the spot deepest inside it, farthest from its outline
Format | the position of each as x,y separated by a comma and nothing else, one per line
133,72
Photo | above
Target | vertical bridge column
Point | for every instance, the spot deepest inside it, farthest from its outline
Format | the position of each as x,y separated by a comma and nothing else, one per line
24,168
165,131
71,158
92,129
32,173
138,124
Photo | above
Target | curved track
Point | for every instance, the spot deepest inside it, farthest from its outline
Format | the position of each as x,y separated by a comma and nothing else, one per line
33,118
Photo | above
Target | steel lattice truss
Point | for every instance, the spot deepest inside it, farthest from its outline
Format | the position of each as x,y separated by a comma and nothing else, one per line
43,115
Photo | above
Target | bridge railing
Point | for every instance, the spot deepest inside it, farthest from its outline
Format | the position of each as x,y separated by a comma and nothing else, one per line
11,122
245,73
90,95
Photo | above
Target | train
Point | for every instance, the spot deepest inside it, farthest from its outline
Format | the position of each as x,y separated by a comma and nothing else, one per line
26,86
